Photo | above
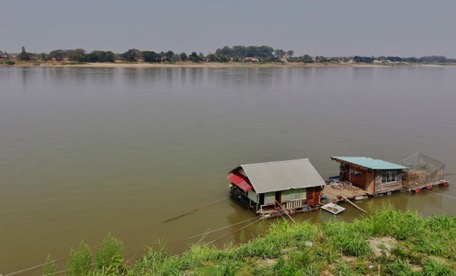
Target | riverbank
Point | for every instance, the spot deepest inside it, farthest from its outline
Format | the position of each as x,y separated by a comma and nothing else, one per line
216,65
386,242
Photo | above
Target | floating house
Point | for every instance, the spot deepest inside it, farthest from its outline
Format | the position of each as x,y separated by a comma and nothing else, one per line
374,176
277,188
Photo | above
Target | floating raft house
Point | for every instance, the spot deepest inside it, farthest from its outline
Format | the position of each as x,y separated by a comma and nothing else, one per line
374,176
277,188
293,186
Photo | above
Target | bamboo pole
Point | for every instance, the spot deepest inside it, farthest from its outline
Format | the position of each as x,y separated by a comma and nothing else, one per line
285,211
354,205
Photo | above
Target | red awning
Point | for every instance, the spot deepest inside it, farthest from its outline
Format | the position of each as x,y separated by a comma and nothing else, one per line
240,182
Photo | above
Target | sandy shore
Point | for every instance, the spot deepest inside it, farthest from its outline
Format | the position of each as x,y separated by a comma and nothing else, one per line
211,65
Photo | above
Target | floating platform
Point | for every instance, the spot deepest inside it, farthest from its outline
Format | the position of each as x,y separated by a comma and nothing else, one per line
337,191
418,188
333,208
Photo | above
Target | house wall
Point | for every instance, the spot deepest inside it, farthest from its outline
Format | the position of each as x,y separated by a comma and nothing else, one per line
370,183
359,177
269,198
313,195
293,194
382,187
252,196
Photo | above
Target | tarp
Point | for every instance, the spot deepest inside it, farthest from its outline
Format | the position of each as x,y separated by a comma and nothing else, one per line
240,182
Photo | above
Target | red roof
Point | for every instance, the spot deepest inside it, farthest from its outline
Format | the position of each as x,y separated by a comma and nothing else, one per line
240,182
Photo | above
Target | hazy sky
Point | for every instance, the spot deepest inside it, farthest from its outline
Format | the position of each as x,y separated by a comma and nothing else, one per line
325,27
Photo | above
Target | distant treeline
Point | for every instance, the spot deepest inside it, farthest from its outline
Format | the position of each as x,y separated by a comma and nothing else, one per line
260,54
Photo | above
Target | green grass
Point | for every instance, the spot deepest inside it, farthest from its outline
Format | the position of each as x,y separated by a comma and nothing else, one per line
419,246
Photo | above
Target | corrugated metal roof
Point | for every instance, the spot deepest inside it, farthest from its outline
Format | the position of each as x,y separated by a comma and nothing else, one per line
282,175
370,163
240,182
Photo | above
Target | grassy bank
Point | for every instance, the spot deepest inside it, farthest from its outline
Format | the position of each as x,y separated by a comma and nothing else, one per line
387,242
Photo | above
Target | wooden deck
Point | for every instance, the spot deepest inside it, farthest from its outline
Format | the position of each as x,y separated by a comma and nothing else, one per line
338,191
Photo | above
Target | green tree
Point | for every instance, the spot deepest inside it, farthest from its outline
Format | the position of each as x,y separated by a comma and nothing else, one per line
169,56
194,57
183,56
78,55
150,56
290,53
131,55
24,56
279,53
307,59
101,56
58,55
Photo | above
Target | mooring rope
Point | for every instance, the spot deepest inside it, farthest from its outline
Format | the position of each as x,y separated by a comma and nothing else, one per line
125,236
240,229
176,217
443,195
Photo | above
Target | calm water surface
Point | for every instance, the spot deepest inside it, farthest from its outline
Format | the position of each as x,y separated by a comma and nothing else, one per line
88,151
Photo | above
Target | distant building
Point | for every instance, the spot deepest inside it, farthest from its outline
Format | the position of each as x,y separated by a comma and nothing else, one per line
249,59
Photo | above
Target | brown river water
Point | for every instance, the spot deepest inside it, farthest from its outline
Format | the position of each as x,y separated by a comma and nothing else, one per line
89,151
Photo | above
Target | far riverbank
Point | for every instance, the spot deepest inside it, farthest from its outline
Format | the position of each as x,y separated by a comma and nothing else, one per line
218,65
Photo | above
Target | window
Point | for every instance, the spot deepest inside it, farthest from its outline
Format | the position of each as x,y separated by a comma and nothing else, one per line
355,173
389,176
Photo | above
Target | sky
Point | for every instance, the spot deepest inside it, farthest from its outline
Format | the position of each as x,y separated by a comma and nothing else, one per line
328,27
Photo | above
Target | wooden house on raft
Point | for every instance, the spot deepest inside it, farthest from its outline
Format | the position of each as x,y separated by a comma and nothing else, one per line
276,188
372,175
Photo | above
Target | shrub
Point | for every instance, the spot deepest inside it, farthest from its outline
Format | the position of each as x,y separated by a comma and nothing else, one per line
10,62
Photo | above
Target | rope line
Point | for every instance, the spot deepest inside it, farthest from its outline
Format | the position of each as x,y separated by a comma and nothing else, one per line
124,237
222,228
176,217
443,195
240,229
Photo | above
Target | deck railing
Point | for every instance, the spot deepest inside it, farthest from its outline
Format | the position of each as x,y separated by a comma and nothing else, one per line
291,204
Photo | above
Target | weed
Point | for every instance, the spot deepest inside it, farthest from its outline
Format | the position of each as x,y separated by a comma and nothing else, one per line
49,267
80,261
110,254
151,261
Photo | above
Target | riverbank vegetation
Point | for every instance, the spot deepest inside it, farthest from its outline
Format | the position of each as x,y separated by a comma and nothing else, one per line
386,242
235,54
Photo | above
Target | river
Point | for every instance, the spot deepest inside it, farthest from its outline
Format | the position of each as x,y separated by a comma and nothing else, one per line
89,151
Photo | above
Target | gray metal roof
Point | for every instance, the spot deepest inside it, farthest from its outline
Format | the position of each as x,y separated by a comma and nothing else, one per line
370,163
283,175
